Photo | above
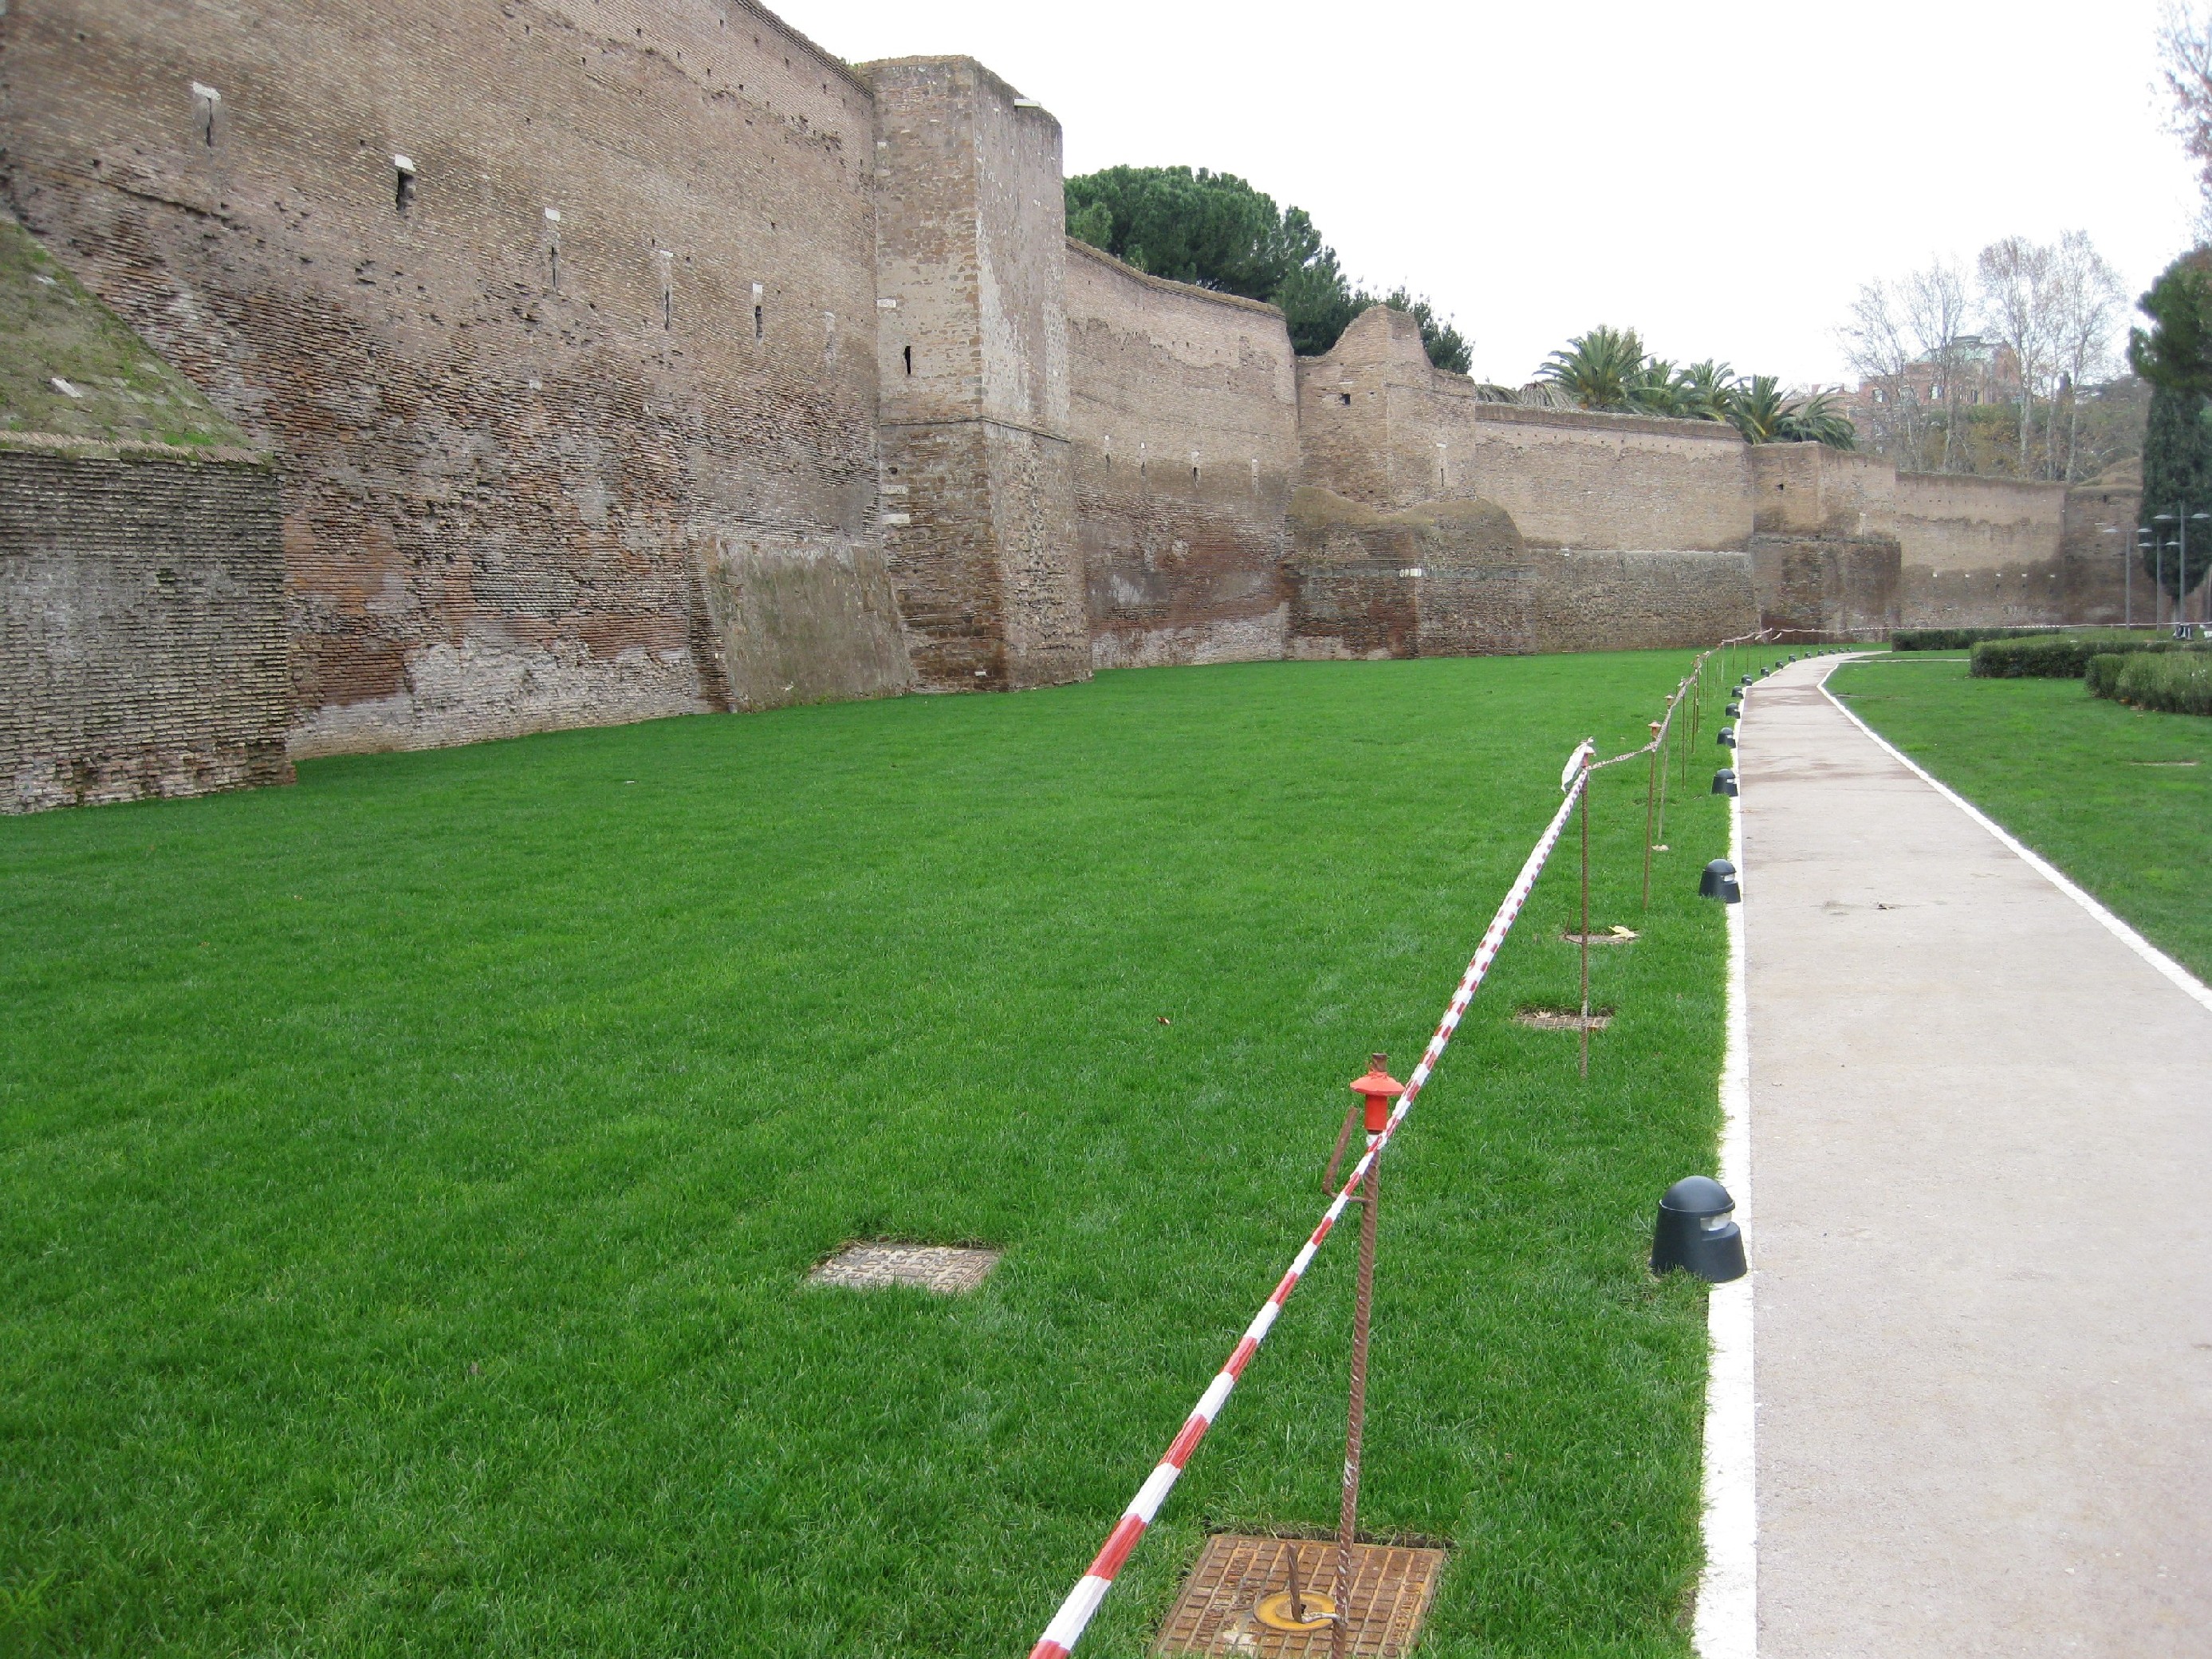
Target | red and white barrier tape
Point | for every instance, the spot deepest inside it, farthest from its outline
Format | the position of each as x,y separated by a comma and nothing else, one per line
1068,1625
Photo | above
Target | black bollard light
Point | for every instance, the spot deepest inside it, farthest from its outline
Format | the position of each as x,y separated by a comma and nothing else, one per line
1724,782
1719,881
1736,710
1697,1233
1746,679
1727,738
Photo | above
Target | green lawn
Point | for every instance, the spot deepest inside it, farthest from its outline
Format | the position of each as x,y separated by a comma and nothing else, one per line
407,1179
2120,799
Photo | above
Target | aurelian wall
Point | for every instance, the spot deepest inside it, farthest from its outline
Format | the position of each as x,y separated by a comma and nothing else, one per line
1380,424
1185,426
539,471
2096,581
1457,578
972,357
1980,550
143,636
624,359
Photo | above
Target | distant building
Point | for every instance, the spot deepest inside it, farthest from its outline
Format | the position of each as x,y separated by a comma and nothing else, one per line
1985,372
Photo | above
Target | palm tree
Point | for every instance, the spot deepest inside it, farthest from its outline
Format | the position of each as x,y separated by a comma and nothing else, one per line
1597,369
1764,414
1818,419
1707,389
1756,406
1658,388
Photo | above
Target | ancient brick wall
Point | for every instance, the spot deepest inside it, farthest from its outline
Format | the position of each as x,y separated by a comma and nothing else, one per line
2095,554
141,623
1814,587
1185,423
537,470
1380,424
1980,551
1457,578
972,356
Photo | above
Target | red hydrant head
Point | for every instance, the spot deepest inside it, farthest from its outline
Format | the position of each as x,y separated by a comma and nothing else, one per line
1381,1089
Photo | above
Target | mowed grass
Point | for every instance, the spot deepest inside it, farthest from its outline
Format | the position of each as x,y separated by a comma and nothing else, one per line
2118,797
408,1179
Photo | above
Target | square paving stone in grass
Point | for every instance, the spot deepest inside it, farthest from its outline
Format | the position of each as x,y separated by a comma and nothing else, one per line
948,1269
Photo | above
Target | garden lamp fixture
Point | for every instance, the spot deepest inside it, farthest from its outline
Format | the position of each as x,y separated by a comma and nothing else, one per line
1718,880
1697,1232
1724,782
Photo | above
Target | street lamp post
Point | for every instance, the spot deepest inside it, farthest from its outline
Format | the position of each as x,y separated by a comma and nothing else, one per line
2192,518
2180,519
2158,598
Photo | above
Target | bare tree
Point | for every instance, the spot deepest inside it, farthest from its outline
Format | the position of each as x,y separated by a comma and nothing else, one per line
2015,281
1935,314
1878,345
2185,61
2087,303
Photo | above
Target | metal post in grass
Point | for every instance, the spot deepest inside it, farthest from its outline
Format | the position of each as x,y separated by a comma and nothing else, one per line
1587,758
1377,1090
1650,803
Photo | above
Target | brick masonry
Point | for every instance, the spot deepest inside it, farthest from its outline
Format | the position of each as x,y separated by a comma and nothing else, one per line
1457,578
1185,448
624,359
521,453
141,627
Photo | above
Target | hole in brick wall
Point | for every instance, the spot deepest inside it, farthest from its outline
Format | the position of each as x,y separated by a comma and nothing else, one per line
205,101
403,187
760,327
553,267
1344,398
667,309
908,355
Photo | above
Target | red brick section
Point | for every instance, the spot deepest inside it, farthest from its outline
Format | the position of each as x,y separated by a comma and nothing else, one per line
511,499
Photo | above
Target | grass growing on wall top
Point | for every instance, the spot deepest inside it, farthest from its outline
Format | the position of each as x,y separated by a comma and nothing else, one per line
2120,799
407,1180
51,328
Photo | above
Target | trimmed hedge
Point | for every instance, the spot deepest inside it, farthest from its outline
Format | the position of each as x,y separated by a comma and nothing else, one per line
1956,639
2053,656
2101,678
2174,682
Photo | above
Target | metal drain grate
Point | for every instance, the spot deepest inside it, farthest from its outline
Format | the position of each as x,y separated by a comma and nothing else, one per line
1238,1601
948,1269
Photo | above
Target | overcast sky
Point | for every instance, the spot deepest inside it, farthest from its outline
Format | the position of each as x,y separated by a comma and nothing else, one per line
1721,176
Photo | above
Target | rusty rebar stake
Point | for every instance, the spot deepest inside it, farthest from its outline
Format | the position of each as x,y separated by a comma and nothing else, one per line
1585,935
1297,1601
1650,794
1336,1157
1348,1525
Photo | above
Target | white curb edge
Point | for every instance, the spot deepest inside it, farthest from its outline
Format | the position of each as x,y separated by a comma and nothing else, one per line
2189,984
1727,1624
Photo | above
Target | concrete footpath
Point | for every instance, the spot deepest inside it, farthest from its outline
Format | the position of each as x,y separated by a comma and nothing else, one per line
1981,1150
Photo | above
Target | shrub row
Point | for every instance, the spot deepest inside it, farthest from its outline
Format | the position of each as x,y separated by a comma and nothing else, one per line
2054,656
2175,682
1955,639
